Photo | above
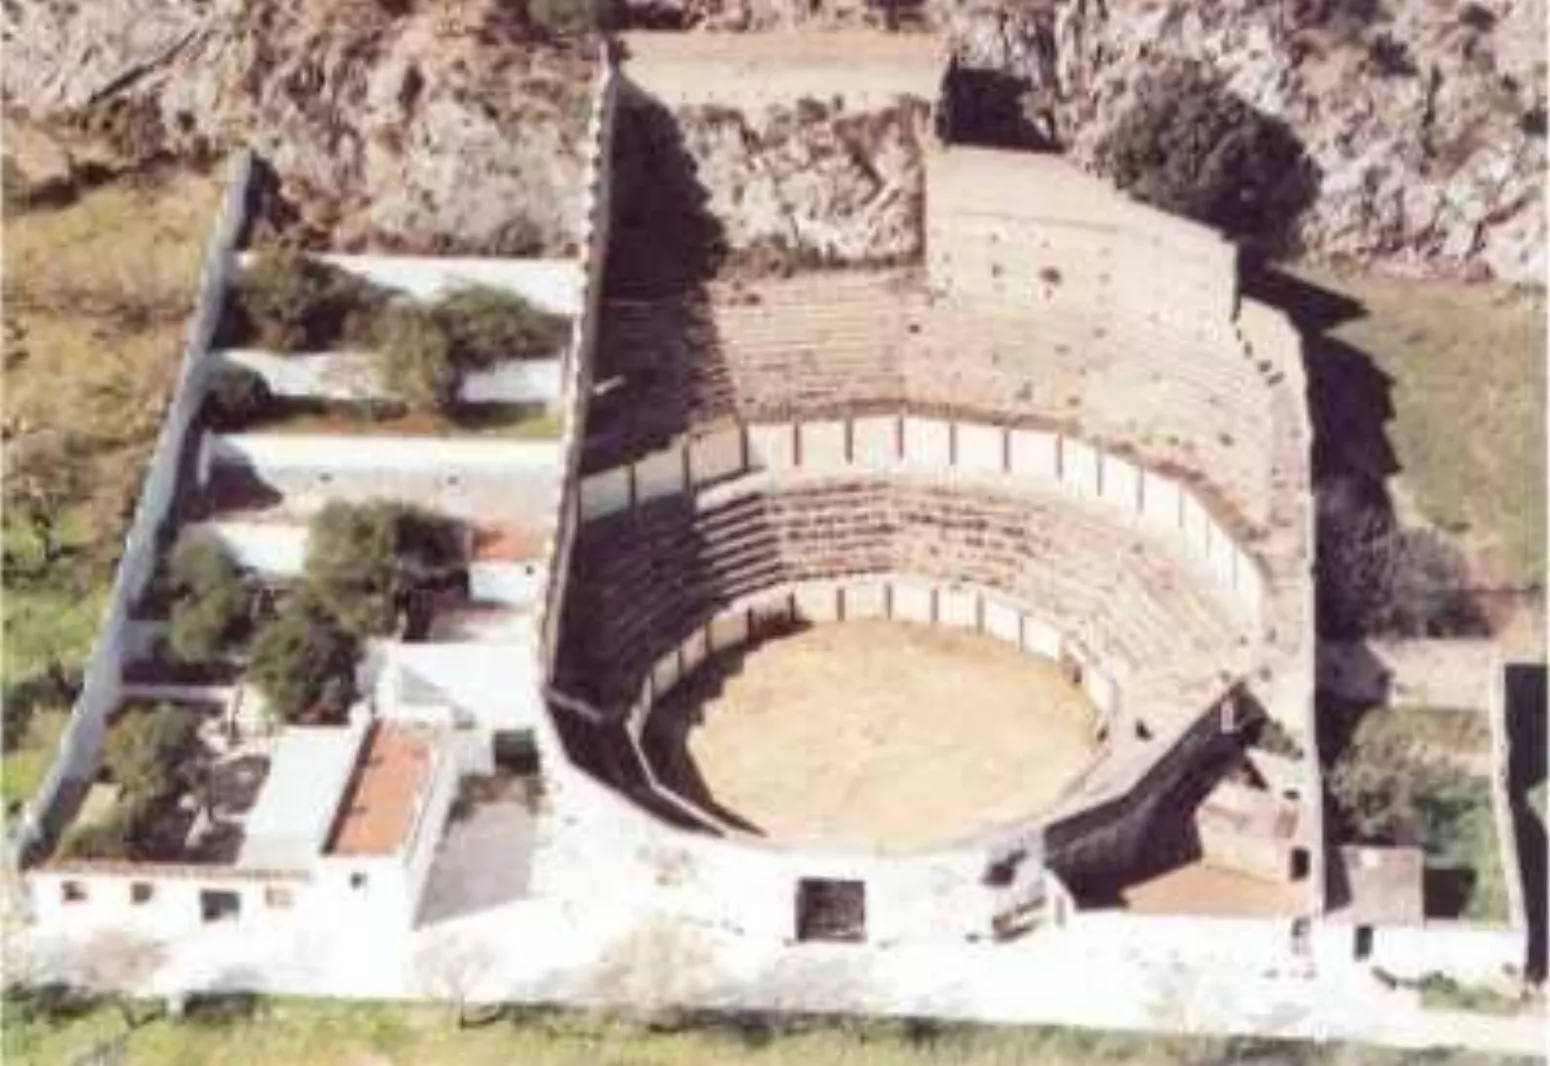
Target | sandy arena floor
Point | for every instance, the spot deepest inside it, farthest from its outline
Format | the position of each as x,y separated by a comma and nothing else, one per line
901,736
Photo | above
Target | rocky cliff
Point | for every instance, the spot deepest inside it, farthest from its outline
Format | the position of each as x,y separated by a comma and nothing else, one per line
1422,123
390,125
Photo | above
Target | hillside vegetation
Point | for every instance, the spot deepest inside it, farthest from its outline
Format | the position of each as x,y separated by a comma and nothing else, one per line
302,1033
99,279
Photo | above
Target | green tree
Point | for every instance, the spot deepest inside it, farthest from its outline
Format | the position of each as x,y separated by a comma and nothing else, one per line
489,325
416,358
1190,146
286,300
366,561
213,606
150,753
236,397
304,661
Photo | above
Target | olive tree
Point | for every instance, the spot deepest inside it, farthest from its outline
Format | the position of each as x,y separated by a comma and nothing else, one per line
304,661
213,605
1189,145
366,561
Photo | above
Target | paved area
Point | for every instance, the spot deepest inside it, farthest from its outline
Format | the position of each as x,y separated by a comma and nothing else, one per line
485,860
620,951
880,734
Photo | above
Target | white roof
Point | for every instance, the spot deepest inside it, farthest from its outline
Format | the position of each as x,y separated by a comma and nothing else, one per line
309,769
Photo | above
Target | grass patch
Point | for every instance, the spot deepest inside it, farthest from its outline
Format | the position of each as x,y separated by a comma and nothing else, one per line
97,296
1404,776
24,768
1467,371
313,1033
1441,992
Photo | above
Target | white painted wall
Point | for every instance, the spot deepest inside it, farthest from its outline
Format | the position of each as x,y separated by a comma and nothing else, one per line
99,694
354,376
553,284
494,684
515,583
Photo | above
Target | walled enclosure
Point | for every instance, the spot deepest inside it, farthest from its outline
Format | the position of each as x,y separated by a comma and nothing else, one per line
761,443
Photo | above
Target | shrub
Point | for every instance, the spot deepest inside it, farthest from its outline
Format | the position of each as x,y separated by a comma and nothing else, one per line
213,604
149,753
416,356
489,325
1377,579
286,300
304,661
1189,146
237,397
366,561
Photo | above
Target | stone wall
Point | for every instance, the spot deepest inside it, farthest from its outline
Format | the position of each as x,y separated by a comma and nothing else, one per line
576,375
1028,230
100,687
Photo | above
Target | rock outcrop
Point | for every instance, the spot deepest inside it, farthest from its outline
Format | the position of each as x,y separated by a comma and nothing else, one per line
814,183
1424,122
420,126
389,126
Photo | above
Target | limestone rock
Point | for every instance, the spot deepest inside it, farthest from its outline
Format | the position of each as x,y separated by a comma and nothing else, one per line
439,128
812,182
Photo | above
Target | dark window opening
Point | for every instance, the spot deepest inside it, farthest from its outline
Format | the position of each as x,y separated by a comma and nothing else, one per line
1363,942
141,892
1300,864
358,881
218,906
72,892
516,750
831,910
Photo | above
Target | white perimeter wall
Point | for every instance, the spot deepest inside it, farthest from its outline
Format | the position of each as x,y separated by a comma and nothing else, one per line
354,376
552,284
100,688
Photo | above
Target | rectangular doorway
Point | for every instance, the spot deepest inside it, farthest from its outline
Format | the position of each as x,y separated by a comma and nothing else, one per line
831,910
219,906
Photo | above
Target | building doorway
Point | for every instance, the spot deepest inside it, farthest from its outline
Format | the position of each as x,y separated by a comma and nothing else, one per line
831,910
217,905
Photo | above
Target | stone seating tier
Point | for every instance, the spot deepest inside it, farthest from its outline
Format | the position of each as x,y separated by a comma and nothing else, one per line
832,343
644,579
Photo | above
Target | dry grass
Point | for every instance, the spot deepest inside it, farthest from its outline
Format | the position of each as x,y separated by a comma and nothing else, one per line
1467,370
320,1033
898,735
97,294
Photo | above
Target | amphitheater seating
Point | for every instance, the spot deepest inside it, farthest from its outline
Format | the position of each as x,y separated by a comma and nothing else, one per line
644,579
842,342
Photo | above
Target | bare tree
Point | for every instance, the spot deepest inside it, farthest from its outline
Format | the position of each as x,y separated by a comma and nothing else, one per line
451,969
